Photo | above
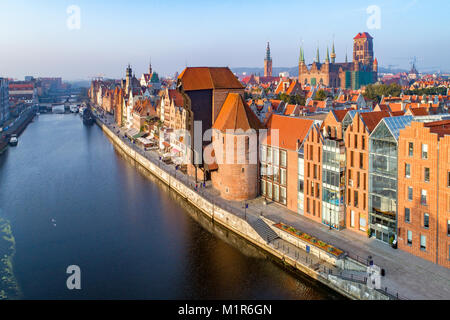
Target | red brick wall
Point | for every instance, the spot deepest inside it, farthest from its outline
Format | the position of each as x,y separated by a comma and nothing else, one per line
311,150
419,135
357,131
444,202
292,180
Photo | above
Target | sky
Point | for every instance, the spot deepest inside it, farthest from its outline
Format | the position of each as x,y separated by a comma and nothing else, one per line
36,38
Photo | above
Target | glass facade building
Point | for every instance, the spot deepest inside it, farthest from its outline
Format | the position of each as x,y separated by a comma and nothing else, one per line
333,183
383,159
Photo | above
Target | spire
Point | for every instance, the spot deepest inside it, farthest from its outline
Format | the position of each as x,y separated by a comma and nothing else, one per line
327,58
302,57
150,71
333,54
317,56
268,52
346,58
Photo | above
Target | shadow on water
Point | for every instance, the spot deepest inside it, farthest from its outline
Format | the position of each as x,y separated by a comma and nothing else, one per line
229,237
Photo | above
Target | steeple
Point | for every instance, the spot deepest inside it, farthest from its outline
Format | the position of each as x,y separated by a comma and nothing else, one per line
317,56
333,54
268,58
150,70
327,58
302,57
346,58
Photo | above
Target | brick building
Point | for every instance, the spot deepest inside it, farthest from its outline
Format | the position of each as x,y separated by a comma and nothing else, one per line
361,71
235,146
281,165
357,153
424,191
204,90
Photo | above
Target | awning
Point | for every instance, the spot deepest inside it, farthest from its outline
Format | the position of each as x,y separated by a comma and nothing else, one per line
132,132
138,135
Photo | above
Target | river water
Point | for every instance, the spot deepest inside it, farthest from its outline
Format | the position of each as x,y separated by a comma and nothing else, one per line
73,199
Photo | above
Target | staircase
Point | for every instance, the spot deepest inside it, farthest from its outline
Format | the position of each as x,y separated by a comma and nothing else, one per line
264,230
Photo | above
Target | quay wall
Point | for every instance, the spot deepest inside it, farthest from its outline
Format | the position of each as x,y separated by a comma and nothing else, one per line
241,227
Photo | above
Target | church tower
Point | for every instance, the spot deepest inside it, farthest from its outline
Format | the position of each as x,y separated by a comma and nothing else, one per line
129,75
268,63
363,50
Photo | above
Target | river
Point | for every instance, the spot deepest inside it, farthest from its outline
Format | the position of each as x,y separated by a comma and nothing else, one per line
73,199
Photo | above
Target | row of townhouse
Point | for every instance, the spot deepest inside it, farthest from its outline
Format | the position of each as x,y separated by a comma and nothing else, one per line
347,171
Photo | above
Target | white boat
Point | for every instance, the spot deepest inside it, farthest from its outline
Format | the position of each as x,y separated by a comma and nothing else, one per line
58,109
73,108
81,110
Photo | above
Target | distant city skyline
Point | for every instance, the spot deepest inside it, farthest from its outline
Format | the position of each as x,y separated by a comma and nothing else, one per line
177,34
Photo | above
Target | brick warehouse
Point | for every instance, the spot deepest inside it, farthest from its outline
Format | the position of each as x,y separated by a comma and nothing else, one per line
424,191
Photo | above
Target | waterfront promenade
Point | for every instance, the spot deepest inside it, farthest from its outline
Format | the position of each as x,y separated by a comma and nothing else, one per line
407,276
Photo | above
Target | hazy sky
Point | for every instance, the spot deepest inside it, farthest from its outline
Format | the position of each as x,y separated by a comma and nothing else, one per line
36,40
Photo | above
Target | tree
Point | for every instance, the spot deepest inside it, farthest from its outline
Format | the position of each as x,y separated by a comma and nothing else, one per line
321,95
376,91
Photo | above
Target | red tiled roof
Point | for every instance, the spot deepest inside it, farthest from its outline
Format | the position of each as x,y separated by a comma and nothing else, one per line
363,35
371,119
206,78
235,114
290,130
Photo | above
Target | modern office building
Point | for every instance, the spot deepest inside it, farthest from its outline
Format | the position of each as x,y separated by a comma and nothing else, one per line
383,171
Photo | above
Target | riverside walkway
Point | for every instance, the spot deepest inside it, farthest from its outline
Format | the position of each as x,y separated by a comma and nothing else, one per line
406,276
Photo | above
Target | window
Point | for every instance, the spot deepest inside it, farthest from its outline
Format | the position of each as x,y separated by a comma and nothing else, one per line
283,195
307,205
426,220
283,159
448,228
312,189
263,188
409,240
349,197
283,177
264,153
364,181
269,155
407,215
363,143
423,198
410,193
352,219
349,176
424,151
358,179
427,174
407,170
315,171
355,199
448,179
276,157
356,141
301,186
411,149
276,193
351,159
423,243
317,191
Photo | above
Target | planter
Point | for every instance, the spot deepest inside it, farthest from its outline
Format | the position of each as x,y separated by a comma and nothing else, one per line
309,239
